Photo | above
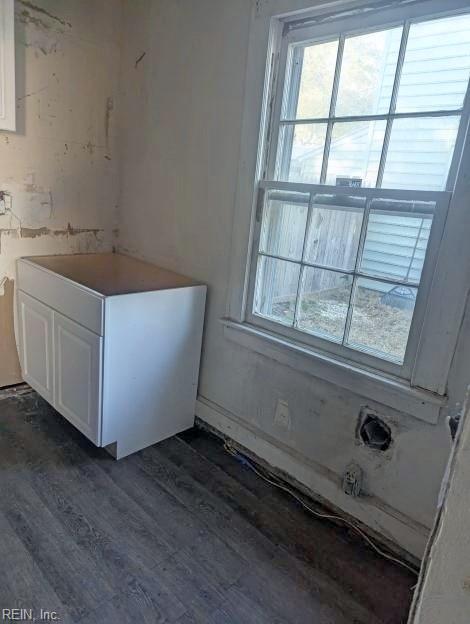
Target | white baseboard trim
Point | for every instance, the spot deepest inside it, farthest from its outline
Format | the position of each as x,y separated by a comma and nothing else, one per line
381,518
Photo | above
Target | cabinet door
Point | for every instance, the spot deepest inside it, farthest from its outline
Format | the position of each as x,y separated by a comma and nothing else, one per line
78,376
35,338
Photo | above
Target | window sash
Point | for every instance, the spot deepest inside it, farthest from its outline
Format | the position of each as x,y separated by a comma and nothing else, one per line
379,117
338,29
362,356
377,19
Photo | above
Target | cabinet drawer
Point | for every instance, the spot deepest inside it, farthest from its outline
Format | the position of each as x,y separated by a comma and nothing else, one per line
68,298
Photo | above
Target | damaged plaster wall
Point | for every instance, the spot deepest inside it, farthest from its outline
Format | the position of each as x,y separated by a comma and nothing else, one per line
60,168
9,366
181,160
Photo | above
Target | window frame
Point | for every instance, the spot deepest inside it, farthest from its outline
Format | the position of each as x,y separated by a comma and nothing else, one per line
7,66
342,351
276,96
424,395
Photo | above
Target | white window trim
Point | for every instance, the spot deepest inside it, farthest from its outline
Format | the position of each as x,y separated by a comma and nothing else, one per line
7,66
447,297
380,388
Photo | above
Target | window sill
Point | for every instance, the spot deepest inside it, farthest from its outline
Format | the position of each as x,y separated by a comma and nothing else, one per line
387,390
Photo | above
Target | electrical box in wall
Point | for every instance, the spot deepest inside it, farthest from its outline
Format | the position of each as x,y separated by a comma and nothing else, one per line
5,202
352,480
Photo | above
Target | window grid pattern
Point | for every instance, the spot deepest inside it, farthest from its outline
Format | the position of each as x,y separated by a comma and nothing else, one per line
418,211
291,97
297,290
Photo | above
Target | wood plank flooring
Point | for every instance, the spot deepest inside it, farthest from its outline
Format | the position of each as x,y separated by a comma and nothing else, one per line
180,532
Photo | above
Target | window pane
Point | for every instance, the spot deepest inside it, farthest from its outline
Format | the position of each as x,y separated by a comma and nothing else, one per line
420,153
283,227
316,82
334,232
437,65
355,151
381,318
395,245
324,303
368,73
300,153
276,289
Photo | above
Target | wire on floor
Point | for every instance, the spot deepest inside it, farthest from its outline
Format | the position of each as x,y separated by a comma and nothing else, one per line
273,481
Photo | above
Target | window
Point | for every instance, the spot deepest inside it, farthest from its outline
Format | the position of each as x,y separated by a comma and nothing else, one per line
365,136
7,66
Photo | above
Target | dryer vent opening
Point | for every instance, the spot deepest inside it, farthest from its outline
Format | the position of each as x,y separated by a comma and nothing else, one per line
375,433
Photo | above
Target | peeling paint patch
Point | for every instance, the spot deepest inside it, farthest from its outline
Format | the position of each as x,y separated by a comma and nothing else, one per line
260,4
71,231
25,17
34,232
68,231
42,11
51,49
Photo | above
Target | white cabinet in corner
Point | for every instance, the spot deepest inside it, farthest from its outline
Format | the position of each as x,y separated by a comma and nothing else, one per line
113,344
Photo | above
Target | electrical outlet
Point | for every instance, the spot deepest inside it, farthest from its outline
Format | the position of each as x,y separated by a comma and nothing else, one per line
282,415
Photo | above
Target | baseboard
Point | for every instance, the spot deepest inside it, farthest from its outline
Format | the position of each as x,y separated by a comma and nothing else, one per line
395,530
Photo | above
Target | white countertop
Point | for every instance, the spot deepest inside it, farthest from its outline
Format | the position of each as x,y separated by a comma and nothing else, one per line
112,274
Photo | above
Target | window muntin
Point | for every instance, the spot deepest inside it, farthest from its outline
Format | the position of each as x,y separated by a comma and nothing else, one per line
347,271
406,81
372,312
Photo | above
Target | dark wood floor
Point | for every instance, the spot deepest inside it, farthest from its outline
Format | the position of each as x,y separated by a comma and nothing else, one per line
180,532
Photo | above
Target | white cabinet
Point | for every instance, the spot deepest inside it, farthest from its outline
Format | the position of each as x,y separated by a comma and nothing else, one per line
113,344
36,351
78,375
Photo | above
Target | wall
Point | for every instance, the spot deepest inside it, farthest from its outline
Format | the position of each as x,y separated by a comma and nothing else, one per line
183,79
60,167
443,591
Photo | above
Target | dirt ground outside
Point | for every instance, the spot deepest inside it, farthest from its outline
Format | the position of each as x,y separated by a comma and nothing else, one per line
376,324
